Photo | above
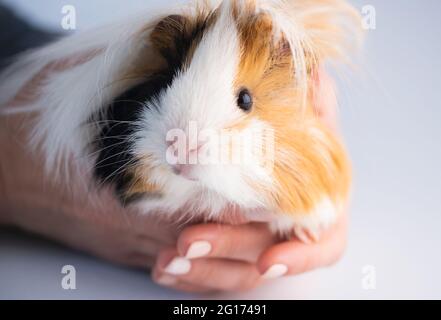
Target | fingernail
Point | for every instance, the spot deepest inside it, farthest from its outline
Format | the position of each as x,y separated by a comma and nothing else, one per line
166,280
178,266
275,271
198,249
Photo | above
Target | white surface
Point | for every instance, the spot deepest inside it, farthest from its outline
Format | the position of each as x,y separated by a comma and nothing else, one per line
392,123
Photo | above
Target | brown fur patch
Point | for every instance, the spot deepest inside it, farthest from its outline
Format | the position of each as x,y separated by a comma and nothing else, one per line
176,37
174,40
310,163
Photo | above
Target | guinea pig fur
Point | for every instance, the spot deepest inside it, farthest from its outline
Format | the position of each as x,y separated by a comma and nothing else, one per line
134,105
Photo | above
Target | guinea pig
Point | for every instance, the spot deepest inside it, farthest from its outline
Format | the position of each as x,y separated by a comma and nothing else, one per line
203,112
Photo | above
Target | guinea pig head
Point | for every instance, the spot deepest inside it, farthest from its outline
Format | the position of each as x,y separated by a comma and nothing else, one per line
229,109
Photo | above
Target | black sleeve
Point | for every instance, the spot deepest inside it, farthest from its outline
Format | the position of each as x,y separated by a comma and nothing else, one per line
17,35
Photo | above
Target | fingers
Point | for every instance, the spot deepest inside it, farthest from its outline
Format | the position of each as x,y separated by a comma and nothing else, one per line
243,242
295,257
175,283
214,257
234,258
209,274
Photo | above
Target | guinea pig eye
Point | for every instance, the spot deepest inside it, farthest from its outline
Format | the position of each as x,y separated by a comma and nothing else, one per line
244,100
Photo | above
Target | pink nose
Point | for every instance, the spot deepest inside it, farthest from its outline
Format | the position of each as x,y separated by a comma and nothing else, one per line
191,149
186,169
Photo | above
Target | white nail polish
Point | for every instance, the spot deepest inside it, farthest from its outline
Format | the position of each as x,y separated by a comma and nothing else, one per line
198,249
275,271
166,280
178,266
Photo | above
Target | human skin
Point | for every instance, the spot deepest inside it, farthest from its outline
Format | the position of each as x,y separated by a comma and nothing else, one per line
228,257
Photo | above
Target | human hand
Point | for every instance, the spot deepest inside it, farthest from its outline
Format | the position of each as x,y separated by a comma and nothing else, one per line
83,219
215,257
34,203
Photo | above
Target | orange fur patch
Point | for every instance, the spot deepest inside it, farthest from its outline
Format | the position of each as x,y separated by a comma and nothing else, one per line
140,185
310,163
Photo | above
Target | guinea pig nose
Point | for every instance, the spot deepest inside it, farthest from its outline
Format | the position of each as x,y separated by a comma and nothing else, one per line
196,148
185,170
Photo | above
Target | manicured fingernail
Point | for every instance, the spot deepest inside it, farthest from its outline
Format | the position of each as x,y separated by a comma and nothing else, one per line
198,249
166,280
275,271
178,266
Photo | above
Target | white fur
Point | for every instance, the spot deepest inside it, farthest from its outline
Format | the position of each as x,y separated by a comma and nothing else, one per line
309,225
203,93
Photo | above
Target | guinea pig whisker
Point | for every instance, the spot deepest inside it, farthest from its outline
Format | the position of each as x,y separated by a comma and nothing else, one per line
117,171
105,148
111,156
113,174
109,85
118,137
108,124
128,100
109,121
110,164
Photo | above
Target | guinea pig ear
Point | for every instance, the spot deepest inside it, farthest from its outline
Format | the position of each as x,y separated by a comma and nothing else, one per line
283,48
333,28
167,36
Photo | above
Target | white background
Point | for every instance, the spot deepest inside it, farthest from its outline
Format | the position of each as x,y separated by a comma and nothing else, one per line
391,118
